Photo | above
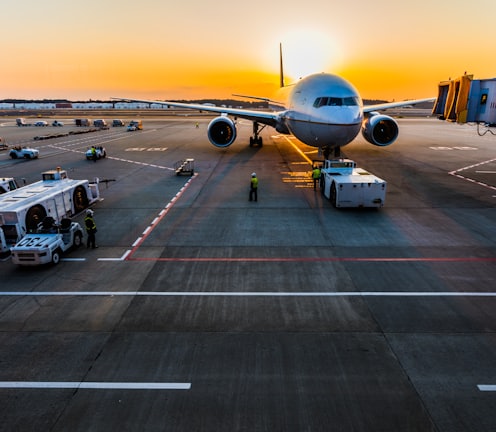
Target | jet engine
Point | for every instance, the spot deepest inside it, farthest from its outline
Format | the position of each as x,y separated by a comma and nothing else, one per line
380,130
222,131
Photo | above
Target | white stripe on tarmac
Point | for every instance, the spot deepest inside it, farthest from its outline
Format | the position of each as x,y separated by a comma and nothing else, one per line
247,294
486,387
95,385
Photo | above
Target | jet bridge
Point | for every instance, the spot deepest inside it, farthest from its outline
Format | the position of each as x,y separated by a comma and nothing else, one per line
465,100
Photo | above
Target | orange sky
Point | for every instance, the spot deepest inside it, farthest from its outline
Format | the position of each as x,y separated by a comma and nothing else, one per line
197,49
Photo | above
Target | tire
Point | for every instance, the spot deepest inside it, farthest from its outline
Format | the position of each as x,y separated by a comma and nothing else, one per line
80,199
56,257
34,216
333,194
78,240
26,156
13,155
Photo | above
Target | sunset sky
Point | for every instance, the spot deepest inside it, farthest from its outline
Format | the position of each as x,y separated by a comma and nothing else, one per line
191,49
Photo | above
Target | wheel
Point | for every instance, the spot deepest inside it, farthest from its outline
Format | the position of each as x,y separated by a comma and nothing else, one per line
26,156
260,141
56,256
251,141
34,216
13,155
333,194
80,199
78,240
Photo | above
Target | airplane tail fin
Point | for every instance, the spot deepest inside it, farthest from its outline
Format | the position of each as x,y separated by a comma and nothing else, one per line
281,70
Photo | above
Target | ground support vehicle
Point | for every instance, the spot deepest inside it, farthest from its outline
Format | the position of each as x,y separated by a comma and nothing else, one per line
24,152
57,196
48,243
57,123
345,185
185,167
100,153
82,122
7,184
3,144
135,125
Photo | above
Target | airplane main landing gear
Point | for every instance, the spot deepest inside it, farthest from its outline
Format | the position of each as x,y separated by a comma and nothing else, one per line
256,139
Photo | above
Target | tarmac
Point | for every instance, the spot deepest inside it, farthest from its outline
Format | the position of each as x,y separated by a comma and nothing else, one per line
203,311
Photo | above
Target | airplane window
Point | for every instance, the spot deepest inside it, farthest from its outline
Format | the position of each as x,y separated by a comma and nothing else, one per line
335,101
350,101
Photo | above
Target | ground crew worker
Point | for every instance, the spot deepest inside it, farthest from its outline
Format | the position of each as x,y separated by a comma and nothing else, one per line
253,187
90,225
315,176
93,153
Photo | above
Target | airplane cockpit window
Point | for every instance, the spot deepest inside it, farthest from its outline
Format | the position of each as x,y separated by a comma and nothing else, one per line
335,101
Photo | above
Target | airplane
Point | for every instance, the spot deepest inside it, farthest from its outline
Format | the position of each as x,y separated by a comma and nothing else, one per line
321,110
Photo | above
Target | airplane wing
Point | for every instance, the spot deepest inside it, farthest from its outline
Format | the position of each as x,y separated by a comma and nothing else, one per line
265,117
383,106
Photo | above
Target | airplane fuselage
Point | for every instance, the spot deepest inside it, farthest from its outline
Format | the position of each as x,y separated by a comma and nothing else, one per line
323,110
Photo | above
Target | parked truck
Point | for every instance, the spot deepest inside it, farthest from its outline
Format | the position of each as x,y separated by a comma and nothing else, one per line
345,185
56,195
47,245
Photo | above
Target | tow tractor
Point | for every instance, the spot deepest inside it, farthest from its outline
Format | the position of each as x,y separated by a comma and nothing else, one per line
23,152
345,185
48,244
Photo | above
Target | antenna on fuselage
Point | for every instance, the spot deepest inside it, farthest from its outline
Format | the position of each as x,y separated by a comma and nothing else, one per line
281,70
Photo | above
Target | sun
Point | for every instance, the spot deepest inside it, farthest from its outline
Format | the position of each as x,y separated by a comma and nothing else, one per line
309,51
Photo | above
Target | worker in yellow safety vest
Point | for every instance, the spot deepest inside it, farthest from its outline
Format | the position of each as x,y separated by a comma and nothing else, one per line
315,176
254,187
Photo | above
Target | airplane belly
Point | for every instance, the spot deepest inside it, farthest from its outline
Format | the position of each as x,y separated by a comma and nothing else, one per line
324,135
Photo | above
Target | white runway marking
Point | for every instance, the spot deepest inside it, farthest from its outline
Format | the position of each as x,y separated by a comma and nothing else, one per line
95,385
247,294
486,387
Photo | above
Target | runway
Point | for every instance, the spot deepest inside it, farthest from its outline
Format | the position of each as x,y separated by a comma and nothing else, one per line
202,311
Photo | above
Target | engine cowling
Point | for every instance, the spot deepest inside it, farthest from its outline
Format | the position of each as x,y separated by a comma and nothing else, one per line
222,131
380,130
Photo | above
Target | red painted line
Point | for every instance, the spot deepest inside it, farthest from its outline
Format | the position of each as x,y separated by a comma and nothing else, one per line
315,259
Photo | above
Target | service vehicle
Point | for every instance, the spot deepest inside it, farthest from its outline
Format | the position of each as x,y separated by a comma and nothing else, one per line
48,244
345,185
3,144
117,122
7,184
82,122
56,195
41,123
100,123
57,123
21,122
99,153
24,152
135,125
